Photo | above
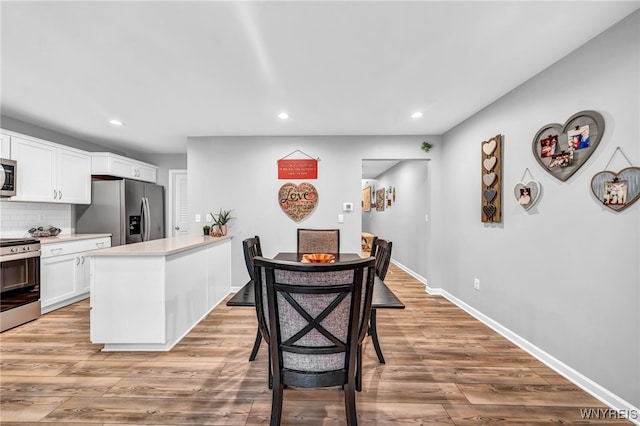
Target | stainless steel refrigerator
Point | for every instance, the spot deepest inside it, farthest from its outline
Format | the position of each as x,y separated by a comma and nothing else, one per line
131,211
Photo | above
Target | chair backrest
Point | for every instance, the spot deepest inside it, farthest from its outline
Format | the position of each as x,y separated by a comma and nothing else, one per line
382,252
318,314
318,240
251,248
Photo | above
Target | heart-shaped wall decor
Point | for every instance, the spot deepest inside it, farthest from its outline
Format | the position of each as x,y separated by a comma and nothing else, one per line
489,163
579,136
490,194
489,178
527,193
617,190
298,201
489,147
489,211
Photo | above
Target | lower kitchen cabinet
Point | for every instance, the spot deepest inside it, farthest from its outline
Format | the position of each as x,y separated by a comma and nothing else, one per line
65,271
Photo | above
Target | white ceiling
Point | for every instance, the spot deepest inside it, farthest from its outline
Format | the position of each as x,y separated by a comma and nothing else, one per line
174,69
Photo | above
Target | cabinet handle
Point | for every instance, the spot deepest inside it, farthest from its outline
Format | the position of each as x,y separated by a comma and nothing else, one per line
83,260
59,195
55,194
56,251
100,245
77,261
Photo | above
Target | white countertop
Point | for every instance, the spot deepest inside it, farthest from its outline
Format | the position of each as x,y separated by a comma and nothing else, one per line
161,247
69,237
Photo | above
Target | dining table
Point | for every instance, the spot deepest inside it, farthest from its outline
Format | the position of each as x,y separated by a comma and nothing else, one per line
382,298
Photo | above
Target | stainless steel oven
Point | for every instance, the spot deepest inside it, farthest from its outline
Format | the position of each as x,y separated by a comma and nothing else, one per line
19,281
8,173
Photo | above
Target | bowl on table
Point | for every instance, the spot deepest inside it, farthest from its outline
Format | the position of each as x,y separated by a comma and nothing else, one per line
318,258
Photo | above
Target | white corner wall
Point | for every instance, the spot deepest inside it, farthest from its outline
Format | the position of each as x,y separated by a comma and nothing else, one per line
565,275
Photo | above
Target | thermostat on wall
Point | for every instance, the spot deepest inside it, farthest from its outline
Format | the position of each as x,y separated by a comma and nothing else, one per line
347,207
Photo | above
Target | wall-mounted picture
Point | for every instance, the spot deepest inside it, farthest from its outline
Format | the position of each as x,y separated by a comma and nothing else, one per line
548,146
380,197
578,138
366,199
615,193
525,196
564,159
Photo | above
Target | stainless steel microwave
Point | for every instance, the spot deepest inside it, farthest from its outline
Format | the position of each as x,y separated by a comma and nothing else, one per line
8,174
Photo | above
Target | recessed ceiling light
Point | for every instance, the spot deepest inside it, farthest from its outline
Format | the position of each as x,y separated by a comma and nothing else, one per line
416,114
116,123
283,116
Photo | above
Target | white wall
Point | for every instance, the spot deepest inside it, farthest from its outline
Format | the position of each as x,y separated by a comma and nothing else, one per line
565,275
240,173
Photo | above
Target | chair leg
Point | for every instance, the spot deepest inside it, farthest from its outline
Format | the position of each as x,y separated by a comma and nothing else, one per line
276,404
373,331
256,346
350,404
359,369
270,374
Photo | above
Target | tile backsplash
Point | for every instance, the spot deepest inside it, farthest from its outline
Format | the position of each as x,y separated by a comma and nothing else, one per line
17,218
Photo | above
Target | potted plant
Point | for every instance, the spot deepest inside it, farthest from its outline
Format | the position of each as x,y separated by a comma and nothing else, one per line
206,229
220,221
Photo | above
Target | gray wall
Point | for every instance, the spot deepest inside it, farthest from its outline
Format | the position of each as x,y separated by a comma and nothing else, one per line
564,275
404,222
240,173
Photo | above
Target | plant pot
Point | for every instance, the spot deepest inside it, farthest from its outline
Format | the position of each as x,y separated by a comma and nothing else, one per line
206,231
219,231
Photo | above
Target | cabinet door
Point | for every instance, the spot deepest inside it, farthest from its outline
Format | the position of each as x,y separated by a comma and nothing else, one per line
36,170
73,177
122,169
5,146
58,279
82,275
146,173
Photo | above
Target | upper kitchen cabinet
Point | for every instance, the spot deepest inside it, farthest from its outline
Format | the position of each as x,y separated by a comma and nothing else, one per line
5,146
49,172
108,164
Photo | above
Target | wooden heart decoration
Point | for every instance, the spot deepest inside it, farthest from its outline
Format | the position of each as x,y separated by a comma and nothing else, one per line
489,178
578,138
527,194
490,194
298,201
489,211
489,147
490,163
617,190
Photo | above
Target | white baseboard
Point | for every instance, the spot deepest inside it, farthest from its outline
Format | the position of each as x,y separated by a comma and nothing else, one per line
594,389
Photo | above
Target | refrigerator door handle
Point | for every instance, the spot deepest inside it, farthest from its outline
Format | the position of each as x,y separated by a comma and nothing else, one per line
147,219
143,220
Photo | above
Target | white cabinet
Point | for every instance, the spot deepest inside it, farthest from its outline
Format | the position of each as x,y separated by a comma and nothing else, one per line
5,146
52,173
65,271
108,164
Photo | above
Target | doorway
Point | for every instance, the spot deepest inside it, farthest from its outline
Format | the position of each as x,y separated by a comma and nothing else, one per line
400,204
178,212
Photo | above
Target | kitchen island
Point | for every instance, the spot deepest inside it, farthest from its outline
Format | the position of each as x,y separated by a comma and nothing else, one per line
147,296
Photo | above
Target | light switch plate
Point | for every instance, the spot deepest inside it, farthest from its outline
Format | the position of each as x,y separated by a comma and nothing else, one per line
340,218
198,218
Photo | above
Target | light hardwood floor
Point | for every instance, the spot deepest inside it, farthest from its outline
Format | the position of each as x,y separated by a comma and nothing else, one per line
443,367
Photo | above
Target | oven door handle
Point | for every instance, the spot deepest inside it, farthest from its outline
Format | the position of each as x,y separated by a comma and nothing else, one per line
19,256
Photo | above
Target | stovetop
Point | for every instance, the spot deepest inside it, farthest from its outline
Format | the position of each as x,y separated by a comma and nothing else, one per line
10,242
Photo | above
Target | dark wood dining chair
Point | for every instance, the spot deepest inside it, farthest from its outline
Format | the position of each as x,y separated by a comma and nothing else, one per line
381,250
252,248
318,240
318,316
